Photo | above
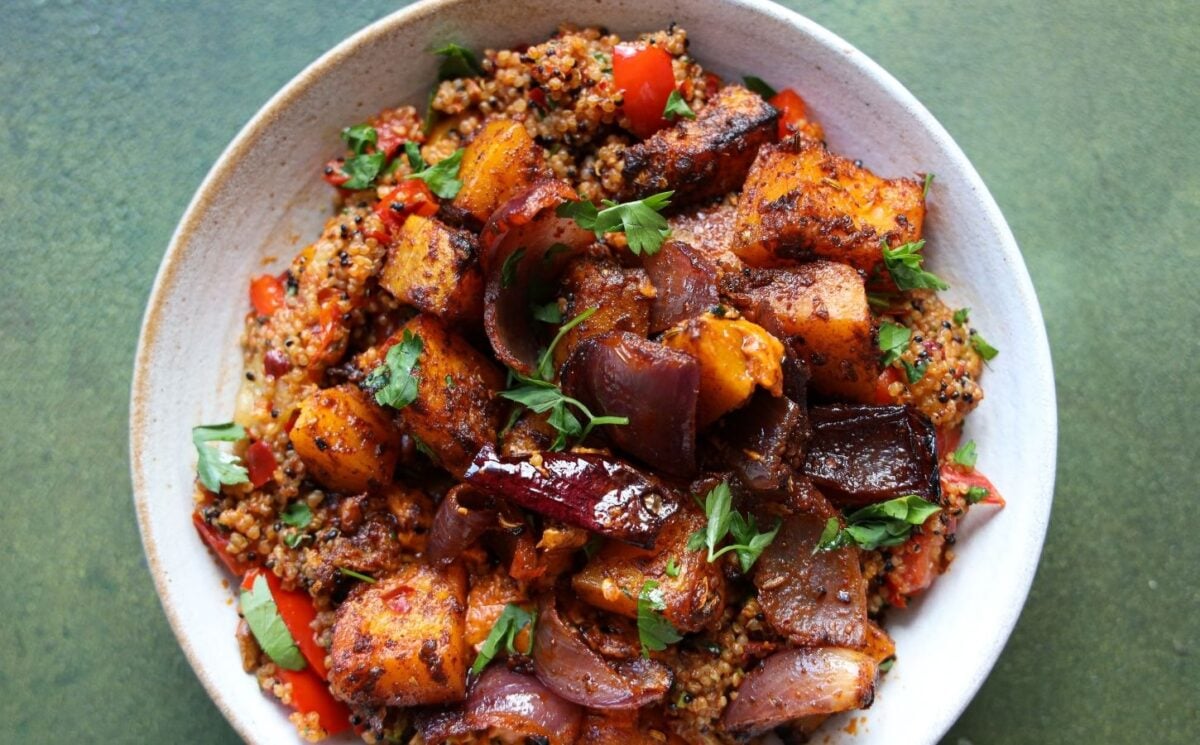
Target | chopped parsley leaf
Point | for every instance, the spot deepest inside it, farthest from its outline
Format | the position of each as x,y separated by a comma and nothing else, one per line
296,514
393,382
979,344
508,270
654,631
639,220
961,315
759,86
363,170
904,263
977,494
504,635
262,616
457,62
213,466
360,137
893,340
442,177
677,108
358,575
723,520
672,568
965,455
884,524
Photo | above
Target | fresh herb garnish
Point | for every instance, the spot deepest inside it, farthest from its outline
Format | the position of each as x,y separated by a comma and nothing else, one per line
412,151
884,524
360,137
450,384
904,263
893,340
548,313
504,633
980,345
929,177
442,177
363,170
457,62
215,466
640,220
262,616
296,514
294,538
759,86
393,382
423,448
961,315
880,300
914,372
965,455
723,520
672,568
677,108
654,631
887,664
358,575
593,545
508,270
977,494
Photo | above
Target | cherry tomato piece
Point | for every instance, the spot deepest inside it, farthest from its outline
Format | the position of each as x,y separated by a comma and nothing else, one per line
645,75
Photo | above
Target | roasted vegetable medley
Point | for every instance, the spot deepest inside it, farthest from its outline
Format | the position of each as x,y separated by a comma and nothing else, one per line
610,406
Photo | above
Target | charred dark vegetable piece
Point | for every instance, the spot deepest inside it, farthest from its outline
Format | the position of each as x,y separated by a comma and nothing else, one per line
601,494
861,455
657,388
504,702
814,599
764,441
685,284
461,518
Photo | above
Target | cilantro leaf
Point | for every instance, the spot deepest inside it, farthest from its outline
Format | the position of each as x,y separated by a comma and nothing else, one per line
980,345
442,177
296,514
393,382
904,263
358,575
654,631
677,108
215,467
893,340
639,220
884,524
262,616
965,455
723,520
504,634
363,170
457,62
977,494
961,315
759,86
359,137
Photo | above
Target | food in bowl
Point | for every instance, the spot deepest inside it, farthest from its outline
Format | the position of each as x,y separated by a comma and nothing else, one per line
609,404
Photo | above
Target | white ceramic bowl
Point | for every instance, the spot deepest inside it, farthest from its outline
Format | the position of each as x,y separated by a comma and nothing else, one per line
264,193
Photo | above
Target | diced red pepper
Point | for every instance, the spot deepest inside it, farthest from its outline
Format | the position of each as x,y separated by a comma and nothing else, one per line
267,294
219,545
260,462
333,173
411,196
310,693
792,111
297,611
645,75
883,396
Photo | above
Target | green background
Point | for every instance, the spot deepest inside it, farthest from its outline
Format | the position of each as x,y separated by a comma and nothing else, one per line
1081,116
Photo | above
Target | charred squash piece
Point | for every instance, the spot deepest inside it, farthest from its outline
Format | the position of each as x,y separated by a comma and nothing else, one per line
801,202
435,268
501,161
345,440
400,642
622,298
703,157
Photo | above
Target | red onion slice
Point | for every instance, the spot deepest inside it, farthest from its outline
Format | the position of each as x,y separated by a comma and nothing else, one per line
685,282
797,683
461,518
510,703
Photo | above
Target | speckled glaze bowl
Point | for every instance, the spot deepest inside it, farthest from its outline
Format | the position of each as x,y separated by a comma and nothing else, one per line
264,194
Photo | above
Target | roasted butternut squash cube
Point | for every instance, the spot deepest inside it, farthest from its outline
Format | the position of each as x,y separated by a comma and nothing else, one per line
501,161
621,297
456,411
435,268
735,357
614,577
801,202
822,307
345,440
401,641
703,157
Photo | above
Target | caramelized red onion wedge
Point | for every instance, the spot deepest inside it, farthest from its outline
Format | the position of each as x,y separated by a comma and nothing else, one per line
510,704
860,455
461,518
577,673
763,441
524,244
685,283
798,683
655,387
599,493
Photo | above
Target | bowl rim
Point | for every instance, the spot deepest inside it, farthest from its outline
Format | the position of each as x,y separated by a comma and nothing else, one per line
251,132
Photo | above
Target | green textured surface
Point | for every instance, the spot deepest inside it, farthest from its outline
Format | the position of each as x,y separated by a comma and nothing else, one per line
1081,117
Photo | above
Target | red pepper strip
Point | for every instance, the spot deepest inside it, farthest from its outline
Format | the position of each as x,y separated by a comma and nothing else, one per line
333,173
645,76
792,111
411,196
310,693
297,611
260,462
267,294
219,545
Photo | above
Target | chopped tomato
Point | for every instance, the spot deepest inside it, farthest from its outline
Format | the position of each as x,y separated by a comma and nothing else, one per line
328,317
645,75
267,294
412,196
297,611
219,544
310,693
333,173
957,476
260,462
792,111
920,557
882,395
